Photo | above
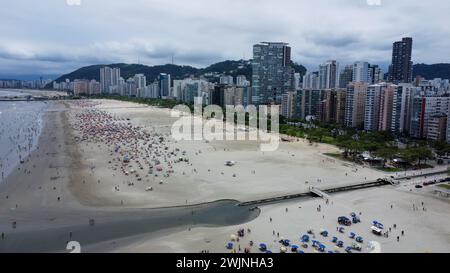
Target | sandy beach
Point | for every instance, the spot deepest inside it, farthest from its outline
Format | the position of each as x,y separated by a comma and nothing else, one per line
294,167
158,200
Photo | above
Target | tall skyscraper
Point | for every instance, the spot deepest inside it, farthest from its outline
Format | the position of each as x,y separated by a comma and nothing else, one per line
355,104
288,104
376,75
109,79
400,70
141,82
346,76
272,73
361,72
401,110
164,85
311,80
333,106
329,75
379,105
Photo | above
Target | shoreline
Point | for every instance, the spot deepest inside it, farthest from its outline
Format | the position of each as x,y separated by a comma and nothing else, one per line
39,122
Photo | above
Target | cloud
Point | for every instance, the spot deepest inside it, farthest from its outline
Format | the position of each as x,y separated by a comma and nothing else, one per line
49,35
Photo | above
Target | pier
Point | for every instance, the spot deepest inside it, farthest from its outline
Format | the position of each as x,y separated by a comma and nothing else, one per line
325,192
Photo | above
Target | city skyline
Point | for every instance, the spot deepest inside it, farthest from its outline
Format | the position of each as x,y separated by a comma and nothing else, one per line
153,36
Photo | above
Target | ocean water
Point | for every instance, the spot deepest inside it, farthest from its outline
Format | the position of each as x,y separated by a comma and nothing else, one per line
20,127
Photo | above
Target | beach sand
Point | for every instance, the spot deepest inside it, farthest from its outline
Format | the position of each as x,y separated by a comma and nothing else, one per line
79,173
424,231
292,168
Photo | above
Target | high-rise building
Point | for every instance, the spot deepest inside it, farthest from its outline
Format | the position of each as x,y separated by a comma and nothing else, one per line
333,106
311,80
355,104
329,75
227,80
448,124
400,70
308,103
437,127
241,81
288,104
423,109
217,96
401,110
141,82
272,73
376,75
361,72
164,85
94,88
109,79
346,76
80,87
386,106
297,81
379,105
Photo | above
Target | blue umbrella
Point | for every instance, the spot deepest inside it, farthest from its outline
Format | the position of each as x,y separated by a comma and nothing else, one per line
305,238
335,239
321,247
262,246
300,251
294,248
230,245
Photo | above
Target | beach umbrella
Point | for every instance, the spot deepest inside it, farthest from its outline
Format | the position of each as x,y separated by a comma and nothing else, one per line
229,245
305,238
262,246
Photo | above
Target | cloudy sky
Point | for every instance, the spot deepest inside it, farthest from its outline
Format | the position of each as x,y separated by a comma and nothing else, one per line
57,36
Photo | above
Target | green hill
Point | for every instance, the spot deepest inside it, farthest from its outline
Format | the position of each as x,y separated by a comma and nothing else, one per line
431,71
232,68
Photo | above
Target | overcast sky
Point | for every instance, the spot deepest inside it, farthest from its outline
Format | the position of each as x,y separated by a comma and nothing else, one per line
56,36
